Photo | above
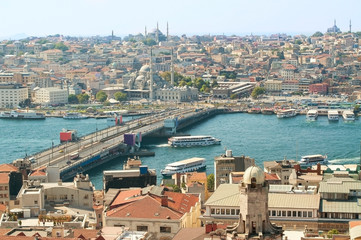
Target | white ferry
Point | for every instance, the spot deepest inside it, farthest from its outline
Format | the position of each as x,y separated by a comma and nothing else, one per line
22,115
187,165
332,115
192,141
286,113
348,116
73,116
310,160
312,115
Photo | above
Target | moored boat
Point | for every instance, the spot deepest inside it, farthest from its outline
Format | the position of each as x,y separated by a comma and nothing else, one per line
254,110
348,116
187,165
17,114
192,141
268,111
75,115
312,115
332,115
286,113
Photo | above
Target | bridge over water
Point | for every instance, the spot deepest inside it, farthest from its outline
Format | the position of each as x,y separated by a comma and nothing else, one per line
104,145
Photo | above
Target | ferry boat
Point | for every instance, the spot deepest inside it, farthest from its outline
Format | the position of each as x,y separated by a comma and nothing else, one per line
310,160
187,165
312,115
348,116
332,115
72,116
286,113
16,114
192,141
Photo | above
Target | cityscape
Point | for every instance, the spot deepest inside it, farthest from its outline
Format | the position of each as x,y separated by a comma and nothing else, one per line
173,129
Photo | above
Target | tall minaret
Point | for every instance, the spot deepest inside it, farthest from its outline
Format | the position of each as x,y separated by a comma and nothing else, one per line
145,32
172,70
151,90
350,26
112,34
157,34
167,32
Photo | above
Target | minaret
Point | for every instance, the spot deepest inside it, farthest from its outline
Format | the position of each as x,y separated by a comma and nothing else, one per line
350,26
157,34
112,34
167,32
172,70
145,32
151,90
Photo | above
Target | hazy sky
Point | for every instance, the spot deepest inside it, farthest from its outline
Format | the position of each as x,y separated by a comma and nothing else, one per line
100,17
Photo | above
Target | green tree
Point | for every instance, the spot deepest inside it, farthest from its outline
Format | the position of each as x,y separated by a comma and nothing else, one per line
72,99
101,96
214,84
257,91
61,46
317,34
119,96
332,232
298,41
149,42
210,182
281,55
25,103
83,98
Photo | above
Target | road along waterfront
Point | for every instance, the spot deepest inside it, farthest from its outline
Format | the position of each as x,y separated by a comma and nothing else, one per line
263,137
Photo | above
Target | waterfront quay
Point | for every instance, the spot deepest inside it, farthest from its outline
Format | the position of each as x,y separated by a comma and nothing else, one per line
104,145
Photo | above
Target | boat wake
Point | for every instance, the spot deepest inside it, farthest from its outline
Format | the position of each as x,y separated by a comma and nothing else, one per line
158,145
353,160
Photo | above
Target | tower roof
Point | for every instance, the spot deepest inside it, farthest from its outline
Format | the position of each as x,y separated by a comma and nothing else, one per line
253,172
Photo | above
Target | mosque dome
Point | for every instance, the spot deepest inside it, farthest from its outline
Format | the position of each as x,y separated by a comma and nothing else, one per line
145,68
253,172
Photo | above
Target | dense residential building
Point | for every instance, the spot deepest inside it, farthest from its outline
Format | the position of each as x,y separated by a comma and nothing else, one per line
48,96
12,94
161,213
227,163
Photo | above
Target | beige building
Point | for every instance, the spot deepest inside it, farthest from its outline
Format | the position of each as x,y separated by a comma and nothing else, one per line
11,95
47,96
273,86
160,213
282,169
227,163
51,55
177,94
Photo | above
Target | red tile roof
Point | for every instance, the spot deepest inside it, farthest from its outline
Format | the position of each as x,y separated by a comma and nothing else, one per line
181,202
87,233
126,197
8,168
147,207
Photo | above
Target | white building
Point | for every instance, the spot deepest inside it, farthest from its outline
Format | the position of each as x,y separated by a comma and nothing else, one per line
177,94
11,95
46,96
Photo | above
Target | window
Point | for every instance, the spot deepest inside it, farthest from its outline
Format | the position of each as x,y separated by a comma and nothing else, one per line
273,213
222,211
237,212
36,202
233,211
289,213
284,214
294,214
142,228
86,196
309,214
299,214
165,229
228,211
213,211
304,214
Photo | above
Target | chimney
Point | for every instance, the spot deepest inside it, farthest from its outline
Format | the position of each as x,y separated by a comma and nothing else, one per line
318,168
164,201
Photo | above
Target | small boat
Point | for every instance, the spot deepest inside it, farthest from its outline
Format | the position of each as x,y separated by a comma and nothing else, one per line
254,110
286,113
348,116
332,115
268,111
192,141
17,114
310,160
187,165
312,115
74,116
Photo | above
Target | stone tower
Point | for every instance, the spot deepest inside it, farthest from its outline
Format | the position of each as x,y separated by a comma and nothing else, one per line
254,219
